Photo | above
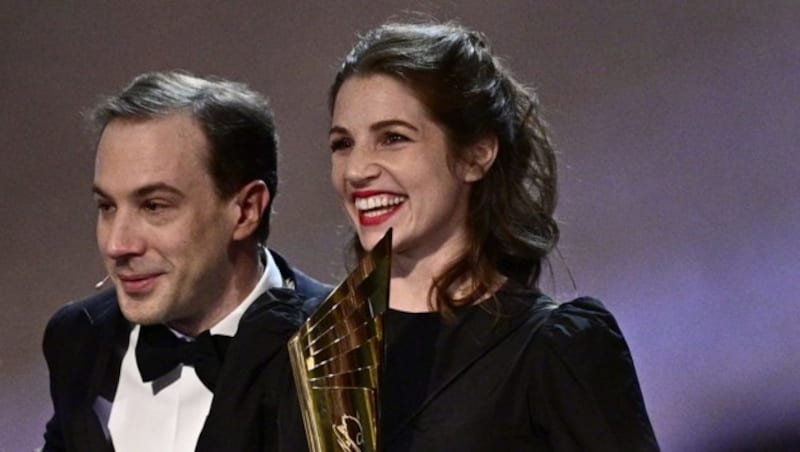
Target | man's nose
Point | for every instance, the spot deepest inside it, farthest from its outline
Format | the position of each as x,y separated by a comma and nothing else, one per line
120,235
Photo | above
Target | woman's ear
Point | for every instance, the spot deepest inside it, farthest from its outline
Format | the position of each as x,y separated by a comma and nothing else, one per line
252,200
479,158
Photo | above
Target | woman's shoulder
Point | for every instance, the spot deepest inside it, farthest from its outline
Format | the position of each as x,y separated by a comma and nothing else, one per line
581,325
577,317
580,316
575,332
584,377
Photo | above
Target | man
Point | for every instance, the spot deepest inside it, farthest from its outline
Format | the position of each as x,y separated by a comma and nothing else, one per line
189,351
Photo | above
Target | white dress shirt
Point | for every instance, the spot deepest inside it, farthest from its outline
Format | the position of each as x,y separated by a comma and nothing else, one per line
168,413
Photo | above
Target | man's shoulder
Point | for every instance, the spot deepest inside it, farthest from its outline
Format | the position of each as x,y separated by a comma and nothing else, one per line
92,309
297,280
78,324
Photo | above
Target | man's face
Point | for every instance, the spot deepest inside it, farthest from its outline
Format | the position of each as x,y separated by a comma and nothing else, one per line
162,230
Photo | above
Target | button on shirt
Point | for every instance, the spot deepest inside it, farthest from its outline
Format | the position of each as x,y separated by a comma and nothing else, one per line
168,413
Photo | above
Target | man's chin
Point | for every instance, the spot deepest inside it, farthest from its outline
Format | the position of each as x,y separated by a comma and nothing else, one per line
139,311
140,319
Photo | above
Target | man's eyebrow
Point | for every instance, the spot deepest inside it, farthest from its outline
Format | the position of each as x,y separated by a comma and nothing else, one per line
99,191
337,129
144,191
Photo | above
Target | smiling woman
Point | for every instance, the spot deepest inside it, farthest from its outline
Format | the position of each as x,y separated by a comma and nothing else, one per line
390,166
431,136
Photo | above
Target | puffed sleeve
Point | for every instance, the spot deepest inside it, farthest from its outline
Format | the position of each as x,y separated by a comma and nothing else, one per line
585,395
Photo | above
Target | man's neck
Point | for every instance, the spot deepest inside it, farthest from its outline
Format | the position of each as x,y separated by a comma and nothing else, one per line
245,273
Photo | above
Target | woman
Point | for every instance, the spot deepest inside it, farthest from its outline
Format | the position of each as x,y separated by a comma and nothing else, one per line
431,136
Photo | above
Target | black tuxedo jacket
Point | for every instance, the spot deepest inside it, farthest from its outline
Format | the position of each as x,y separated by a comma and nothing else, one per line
254,407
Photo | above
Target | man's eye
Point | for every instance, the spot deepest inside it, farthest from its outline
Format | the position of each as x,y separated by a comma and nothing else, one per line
154,206
341,143
104,206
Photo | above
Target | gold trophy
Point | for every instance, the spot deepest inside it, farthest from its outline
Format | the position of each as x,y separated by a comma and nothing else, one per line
337,359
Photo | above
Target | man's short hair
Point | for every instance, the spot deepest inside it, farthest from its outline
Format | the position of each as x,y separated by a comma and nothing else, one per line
236,120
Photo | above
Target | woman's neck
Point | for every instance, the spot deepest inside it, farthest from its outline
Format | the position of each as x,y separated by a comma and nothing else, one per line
412,280
413,276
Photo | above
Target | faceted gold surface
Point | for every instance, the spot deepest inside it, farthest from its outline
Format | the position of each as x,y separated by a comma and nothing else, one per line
337,355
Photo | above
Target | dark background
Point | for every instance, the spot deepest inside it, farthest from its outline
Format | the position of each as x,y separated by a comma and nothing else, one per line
677,124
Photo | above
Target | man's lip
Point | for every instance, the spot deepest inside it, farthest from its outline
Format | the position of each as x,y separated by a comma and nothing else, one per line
138,284
136,276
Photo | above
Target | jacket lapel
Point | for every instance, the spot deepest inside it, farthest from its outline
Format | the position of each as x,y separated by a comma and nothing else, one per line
105,340
256,356
311,291
476,331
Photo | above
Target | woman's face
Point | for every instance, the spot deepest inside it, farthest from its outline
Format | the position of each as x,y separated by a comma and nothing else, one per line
390,169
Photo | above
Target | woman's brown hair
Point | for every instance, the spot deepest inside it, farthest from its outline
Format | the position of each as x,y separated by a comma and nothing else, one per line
468,91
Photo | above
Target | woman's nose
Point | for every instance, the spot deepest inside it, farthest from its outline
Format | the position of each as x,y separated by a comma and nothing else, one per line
361,166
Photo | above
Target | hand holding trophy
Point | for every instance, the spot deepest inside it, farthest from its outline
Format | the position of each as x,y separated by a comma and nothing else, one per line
337,358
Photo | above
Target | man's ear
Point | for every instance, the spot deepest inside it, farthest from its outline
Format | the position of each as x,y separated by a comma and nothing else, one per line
479,158
252,200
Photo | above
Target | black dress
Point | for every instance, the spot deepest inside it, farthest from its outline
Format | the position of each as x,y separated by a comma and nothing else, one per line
515,374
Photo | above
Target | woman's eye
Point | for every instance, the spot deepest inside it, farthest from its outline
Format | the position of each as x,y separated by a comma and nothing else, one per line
341,143
392,137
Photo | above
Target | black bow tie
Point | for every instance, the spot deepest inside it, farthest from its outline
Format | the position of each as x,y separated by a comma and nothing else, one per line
159,351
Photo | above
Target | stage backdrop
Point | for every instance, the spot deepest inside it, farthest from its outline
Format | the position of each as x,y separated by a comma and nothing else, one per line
677,125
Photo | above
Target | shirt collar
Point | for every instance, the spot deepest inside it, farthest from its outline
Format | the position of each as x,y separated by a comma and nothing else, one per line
269,279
